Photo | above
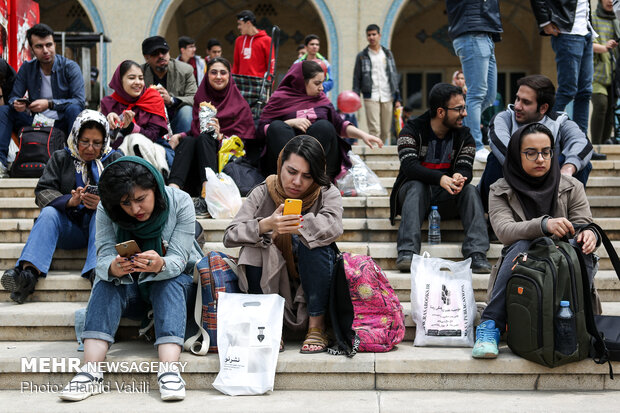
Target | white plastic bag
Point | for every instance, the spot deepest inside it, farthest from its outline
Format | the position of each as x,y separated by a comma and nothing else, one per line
249,328
221,194
442,302
360,180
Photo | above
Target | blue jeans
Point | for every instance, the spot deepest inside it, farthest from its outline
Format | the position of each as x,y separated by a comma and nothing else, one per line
477,54
573,58
168,149
181,120
315,267
11,119
53,229
109,302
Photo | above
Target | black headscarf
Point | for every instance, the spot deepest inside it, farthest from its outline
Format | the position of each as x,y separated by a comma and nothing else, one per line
538,196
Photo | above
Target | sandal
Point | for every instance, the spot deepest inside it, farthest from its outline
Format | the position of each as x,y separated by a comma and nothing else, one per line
315,337
281,345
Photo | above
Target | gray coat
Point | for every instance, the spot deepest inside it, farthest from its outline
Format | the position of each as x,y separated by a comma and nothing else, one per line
181,83
322,226
508,219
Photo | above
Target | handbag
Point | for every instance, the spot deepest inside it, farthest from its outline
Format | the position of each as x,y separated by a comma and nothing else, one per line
245,175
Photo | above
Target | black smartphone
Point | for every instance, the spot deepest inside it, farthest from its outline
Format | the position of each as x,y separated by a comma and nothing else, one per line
92,189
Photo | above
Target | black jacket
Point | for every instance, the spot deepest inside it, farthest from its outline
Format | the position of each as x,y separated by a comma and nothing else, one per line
467,16
559,12
412,146
362,74
58,179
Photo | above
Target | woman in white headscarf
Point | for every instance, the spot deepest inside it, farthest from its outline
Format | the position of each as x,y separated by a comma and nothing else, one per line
68,197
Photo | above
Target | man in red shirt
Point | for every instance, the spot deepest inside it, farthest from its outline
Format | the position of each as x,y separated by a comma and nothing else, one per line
251,56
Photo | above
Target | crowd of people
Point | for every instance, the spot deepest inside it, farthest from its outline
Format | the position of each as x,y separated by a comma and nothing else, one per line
129,170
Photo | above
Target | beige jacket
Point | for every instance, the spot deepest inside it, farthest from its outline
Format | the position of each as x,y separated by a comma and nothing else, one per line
181,83
321,227
508,219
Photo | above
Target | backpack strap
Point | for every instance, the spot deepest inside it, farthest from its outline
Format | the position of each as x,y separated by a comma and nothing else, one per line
199,348
599,351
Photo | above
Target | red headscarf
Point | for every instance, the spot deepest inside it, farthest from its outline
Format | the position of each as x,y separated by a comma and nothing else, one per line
149,106
233,112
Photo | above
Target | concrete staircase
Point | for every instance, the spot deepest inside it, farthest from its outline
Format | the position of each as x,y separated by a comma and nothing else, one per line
44,325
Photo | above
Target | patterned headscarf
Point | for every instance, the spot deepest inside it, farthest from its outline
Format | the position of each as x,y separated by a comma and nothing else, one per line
96,166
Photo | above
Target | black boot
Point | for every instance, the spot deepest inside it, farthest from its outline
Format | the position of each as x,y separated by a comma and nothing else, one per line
20,282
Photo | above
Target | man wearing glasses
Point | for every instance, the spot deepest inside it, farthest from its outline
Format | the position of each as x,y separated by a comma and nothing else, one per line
533,103
174,80
436,154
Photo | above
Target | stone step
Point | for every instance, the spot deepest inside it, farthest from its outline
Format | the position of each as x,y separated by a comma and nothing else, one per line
404,368
389,168
384,253
50,321
601,206
17,187
283,401
390,152
58,286
606,282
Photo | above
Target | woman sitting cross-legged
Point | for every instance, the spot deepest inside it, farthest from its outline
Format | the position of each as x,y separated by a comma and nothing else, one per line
278,252
196,151
140,114
135,205
299,106
67,196
532,200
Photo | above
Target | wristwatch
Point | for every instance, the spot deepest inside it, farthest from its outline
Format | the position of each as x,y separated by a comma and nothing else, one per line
163,268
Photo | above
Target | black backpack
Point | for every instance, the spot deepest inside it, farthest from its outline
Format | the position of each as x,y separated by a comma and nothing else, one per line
245,175
36,146
550,272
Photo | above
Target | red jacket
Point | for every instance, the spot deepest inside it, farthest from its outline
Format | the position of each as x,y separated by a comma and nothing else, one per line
254,61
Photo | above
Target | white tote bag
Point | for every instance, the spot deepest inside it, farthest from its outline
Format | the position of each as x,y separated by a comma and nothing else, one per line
442,302
249,328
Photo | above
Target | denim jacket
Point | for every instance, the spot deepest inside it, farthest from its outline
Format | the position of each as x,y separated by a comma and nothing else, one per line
182,252
67,83
362,74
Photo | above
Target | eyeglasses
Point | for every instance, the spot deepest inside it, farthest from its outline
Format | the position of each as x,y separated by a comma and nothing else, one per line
459,109
86,144
532,155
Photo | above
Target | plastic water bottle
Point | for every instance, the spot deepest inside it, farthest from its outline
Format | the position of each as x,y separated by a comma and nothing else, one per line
565,330
434,220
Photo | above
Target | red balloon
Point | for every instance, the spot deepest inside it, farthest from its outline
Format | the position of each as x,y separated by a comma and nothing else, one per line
322,64
349,101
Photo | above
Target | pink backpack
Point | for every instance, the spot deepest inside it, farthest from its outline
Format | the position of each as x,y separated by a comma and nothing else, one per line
365,312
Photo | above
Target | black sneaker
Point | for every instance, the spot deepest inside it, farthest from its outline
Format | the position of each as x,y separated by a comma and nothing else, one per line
598,156
20,282
200,206
10,279
479,263
403,262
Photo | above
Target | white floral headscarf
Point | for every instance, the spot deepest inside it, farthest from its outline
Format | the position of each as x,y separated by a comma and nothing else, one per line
81,166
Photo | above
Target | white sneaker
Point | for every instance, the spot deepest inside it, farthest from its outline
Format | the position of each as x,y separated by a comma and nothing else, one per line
171,386
482,154
83,385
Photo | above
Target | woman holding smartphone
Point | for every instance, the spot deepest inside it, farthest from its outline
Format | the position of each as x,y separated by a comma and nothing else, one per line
136,205
291,255
66,194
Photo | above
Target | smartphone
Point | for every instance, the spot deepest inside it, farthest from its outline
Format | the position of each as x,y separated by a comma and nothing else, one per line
292,207
23,100
92,189
128,248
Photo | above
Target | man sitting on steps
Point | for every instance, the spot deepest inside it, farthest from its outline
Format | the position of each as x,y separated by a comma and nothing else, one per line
436,154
